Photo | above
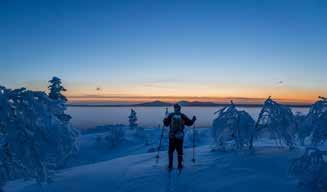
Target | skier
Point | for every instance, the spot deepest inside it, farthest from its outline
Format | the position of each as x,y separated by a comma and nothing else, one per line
176,122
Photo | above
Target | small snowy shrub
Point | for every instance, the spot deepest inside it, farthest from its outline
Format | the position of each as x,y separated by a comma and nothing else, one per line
277,120
232,125
132,119
311,169
113,137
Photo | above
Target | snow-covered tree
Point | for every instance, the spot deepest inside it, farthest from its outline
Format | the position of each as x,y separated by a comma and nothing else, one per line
302,129
55,89
320,130
311,170
317,121
20,126
113,137
232,125
313,125
67,136
132,119
36,132
278,121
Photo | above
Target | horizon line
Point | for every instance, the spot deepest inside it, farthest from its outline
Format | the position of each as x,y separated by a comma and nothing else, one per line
128,99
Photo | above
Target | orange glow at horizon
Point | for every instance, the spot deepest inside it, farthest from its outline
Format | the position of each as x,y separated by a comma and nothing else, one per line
139,99
176,99
199,92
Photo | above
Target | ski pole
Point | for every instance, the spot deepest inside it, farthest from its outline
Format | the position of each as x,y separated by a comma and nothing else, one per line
161,136
193,159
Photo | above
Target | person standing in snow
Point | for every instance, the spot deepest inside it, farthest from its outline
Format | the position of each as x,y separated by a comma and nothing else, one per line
176,122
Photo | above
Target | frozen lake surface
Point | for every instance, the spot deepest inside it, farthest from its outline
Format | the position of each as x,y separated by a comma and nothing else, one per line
89,117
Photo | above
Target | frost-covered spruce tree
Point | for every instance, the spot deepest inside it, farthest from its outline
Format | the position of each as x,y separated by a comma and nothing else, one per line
232,125
278,121
132,119
67,140
56,89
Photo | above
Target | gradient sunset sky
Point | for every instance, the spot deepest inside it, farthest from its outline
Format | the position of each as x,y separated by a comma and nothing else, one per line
142,50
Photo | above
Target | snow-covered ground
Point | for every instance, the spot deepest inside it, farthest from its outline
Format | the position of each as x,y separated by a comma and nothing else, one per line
131,166
92,151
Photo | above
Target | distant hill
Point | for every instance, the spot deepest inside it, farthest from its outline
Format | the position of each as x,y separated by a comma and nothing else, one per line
182,103
197,103
154,104
205,104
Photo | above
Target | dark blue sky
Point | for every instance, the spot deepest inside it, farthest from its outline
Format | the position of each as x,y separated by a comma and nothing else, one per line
167,48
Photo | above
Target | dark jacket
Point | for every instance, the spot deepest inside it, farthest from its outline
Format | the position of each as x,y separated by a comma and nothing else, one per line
186,120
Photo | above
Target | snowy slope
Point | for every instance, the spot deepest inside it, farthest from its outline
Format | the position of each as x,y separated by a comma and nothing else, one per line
213,171
92,152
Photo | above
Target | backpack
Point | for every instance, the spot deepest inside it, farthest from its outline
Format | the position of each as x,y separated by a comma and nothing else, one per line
176,127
